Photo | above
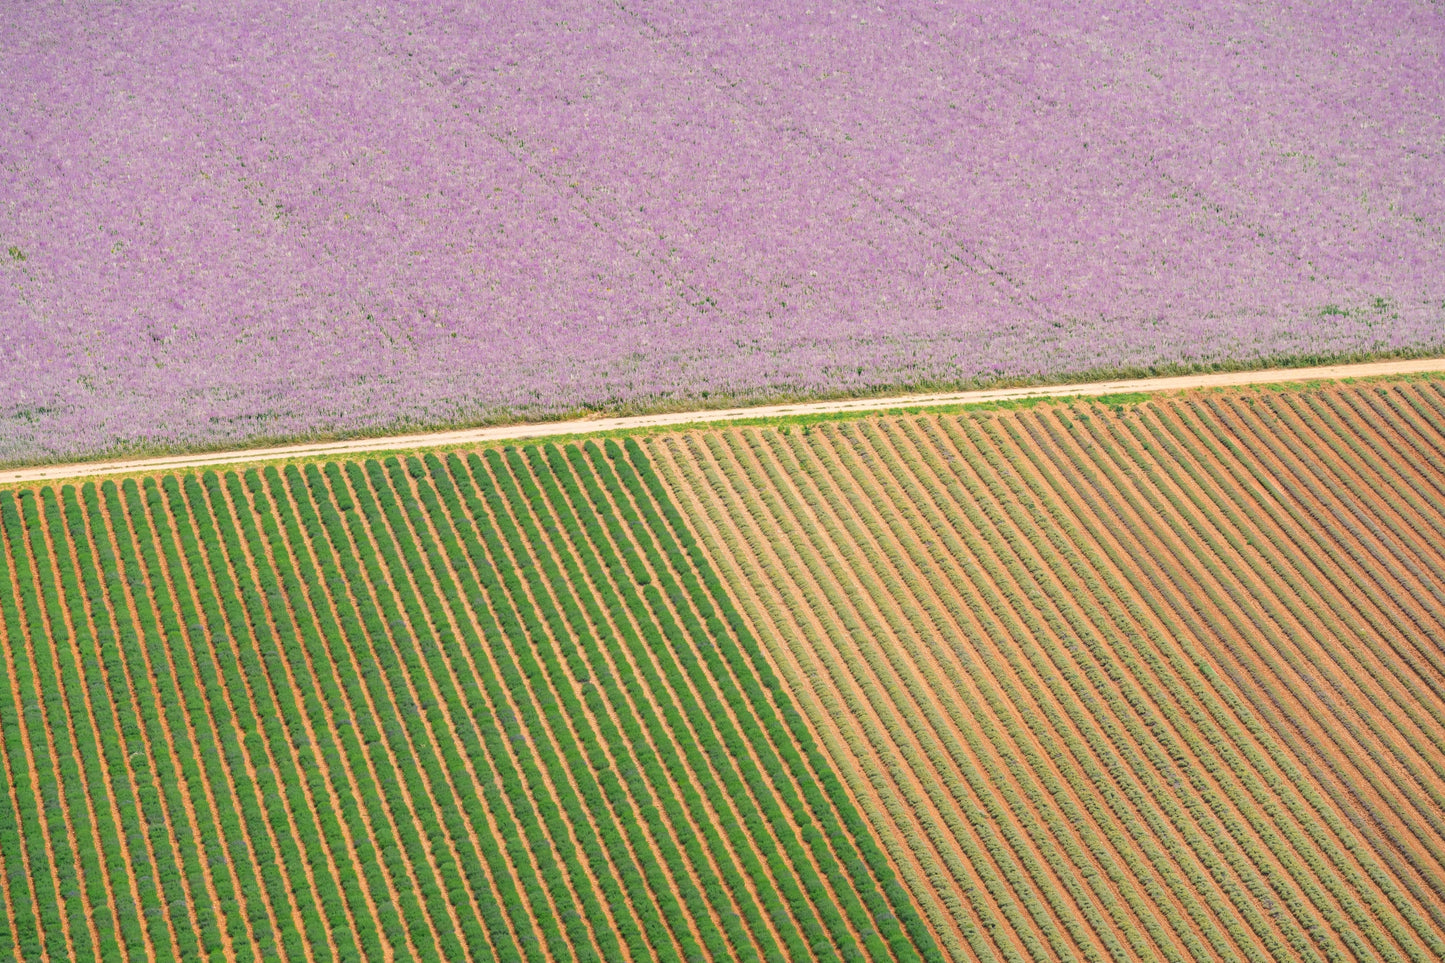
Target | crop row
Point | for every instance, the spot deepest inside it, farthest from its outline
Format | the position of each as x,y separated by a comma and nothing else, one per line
904,818
893,736
1070,918
997,807
1160,515
137,668
664,631
1216,782
1087,877
33,774
1215,807
1128,822
1268,504
1118,606
674,769
1158,693
874,869
966,808
879,908
1293,587
473,709
1241,804
1268,507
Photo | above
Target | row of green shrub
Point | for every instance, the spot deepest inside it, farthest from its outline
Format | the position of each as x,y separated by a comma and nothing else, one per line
483,708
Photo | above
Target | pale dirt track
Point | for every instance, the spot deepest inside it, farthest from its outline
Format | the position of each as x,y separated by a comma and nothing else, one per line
477,436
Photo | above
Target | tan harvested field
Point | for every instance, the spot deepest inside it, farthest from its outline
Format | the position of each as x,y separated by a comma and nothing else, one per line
1156,681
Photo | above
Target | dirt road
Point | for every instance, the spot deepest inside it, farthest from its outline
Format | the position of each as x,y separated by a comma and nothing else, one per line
474,436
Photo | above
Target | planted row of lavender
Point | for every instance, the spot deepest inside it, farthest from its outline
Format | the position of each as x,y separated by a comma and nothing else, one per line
223,222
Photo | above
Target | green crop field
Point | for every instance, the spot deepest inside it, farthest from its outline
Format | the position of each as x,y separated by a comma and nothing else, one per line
488,708
1141,679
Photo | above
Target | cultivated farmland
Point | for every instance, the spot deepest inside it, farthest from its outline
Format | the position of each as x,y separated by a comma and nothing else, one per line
493,707
1153,681
1123,680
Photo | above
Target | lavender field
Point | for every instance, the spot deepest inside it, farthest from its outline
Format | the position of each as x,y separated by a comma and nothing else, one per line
228,222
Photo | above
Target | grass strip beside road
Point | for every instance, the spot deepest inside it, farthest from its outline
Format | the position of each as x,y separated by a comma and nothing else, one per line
1111,392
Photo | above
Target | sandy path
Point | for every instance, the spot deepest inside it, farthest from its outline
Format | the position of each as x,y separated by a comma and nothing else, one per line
475,436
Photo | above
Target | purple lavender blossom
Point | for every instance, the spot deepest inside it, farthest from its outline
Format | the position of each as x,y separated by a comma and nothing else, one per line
224,222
